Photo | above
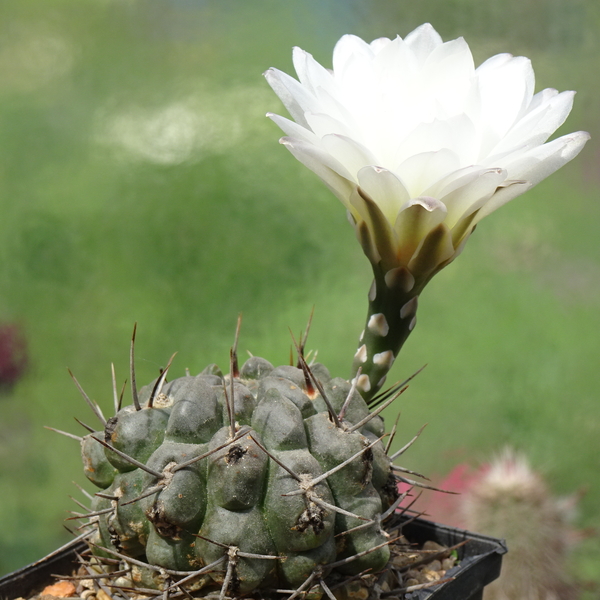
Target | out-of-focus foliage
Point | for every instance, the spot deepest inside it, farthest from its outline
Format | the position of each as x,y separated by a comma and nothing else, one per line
140,181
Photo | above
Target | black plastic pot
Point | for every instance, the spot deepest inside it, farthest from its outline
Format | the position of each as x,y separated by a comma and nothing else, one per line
35,577
480,560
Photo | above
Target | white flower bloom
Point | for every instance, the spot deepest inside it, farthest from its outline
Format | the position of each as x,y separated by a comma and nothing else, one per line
417,143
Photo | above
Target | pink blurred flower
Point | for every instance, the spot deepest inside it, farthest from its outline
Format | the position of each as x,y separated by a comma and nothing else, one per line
13,355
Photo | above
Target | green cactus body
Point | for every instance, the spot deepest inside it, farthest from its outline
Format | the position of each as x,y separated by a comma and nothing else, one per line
237,503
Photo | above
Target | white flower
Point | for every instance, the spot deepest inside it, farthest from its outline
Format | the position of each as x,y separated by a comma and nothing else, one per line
417,143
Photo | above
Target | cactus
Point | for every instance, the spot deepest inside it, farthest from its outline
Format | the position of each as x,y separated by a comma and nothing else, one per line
509,499
272,480
266,478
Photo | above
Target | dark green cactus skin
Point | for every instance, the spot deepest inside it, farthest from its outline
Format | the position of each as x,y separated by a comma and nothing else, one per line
234,495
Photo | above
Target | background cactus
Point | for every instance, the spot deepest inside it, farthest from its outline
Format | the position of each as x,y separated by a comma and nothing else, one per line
510,500
265,478
507,498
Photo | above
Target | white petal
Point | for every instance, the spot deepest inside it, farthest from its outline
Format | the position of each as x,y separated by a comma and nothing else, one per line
389,55
541,99
495,62
323,124
348,152
502,196
357,81
465,200
310,73
353,72
423,41
454,180
333,106
300,148
425,137
536,165
327,168
385,188
454,56
538,124
380,44
448,73
420,171
540,162
292,129
347,47
294,96
506,88
466,139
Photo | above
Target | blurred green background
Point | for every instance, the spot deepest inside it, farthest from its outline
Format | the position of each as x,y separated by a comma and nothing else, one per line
140,181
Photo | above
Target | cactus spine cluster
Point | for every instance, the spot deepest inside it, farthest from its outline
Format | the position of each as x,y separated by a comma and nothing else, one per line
267,478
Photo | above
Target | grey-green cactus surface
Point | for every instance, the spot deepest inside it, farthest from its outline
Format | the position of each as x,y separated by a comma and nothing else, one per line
264,479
